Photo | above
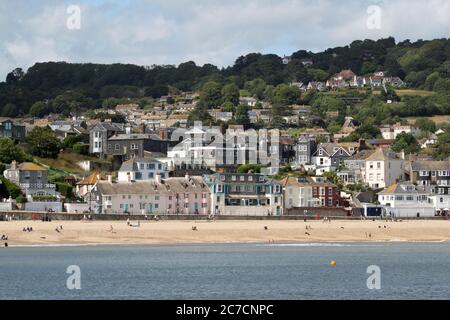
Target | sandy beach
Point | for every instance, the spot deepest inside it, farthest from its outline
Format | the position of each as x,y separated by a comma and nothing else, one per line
177,232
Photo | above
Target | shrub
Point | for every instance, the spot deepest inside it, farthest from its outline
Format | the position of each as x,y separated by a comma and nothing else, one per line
81,148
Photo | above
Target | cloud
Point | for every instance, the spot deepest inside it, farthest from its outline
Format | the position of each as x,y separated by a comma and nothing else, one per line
149,32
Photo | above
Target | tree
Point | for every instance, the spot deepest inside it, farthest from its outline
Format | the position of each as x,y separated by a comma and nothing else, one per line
442,149
389,94
10,110
39,109
228,107
43,142
286,95
211,94
230,93
241,116
426,125
406,142
10,151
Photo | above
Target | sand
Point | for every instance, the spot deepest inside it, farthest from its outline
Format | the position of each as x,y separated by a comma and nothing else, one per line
177,232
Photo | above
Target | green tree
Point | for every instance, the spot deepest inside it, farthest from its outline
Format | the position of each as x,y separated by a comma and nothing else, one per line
230,93
442,149
10,110
39,109
211,94
286,95
43,142
241,116
426,125
10,151
406,142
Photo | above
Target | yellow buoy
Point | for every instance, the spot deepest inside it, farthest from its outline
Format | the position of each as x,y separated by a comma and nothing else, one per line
333,262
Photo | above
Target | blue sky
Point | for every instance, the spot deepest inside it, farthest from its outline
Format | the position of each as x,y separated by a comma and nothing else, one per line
147,32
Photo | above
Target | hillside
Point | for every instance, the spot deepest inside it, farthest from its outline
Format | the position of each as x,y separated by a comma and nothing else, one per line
422,65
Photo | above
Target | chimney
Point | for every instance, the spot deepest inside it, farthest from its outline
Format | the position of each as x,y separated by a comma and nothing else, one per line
362,144
110,179
128,129
142,127
14,165
162,134
158,178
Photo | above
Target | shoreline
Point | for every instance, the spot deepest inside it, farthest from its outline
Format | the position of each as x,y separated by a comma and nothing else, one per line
287,244
97,233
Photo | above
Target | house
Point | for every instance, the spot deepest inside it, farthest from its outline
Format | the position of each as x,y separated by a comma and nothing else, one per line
99,135
85,186
407,200
248,101
430,172
304,149
318,134
13,130
391,132
440,197
428,142
329,156
137,169
187,195
128,146
220,115
347,129
355,167
307,62
297,193
325,194
382,168
245,194
31,178
286,59
316,85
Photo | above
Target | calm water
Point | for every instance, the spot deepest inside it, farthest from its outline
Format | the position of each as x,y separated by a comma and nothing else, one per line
408,271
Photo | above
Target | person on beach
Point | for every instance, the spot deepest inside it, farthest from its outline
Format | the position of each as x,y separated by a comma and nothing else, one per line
128,221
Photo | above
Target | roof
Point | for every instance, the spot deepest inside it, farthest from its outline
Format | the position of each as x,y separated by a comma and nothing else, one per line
131,165
168,187
132,136
380,155
29,166
430,165
401,188
362,155
294,181
91,179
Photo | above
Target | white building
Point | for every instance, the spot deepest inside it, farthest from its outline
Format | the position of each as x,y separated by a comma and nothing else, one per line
188,195
298,192
407,200
391,132
382,168
142,169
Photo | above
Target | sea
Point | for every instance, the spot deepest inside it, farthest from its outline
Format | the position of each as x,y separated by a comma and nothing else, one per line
338,271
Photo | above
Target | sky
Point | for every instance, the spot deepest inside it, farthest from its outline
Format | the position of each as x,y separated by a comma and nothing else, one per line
147,32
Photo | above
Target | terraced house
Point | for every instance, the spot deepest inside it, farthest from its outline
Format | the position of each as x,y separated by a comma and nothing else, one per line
245,194
187,195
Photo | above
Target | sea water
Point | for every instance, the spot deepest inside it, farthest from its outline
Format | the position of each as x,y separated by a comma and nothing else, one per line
227,271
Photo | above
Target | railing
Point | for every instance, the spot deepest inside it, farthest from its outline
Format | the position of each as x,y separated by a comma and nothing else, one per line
37,186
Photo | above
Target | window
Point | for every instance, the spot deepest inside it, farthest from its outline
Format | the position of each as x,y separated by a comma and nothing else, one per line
116,147
378,165
141,166
156,198
156,206
150,166
371,165
423,173
134,146
399,198
222,178
242,178
151,175
250,178
219,188
233,178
